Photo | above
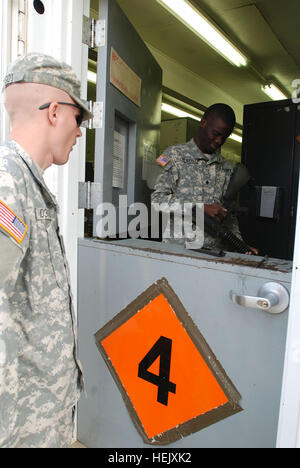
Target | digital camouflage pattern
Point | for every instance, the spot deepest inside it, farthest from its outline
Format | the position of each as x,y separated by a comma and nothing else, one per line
40,376
192,177
43,69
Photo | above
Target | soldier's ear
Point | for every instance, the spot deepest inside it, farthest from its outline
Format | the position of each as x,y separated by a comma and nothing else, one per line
203,123
52,113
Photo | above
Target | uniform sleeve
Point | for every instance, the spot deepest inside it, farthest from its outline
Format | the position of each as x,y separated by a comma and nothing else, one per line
12,253
13,235
9,379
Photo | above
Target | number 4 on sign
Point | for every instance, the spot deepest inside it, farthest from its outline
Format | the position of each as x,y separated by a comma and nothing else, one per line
162,349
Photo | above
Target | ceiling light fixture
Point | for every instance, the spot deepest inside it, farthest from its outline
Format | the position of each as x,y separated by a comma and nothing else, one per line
177,112
273,92
195,21
236,137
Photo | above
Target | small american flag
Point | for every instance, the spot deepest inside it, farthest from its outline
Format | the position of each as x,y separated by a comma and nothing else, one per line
163,160
12,224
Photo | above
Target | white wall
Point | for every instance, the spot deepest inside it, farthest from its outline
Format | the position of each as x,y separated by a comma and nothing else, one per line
5,58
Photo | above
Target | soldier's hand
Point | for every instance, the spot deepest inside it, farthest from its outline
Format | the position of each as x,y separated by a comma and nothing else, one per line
216,211
252,251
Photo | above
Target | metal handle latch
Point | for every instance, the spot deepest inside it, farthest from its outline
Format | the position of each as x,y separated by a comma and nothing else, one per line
272,297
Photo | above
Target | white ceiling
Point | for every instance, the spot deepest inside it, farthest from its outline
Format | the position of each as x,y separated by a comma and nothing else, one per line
267,31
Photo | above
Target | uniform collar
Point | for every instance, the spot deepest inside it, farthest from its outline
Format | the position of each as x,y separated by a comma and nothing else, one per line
36,171
215,158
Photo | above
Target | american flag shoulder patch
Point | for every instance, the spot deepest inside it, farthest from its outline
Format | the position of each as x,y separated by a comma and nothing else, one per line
163,160
12,224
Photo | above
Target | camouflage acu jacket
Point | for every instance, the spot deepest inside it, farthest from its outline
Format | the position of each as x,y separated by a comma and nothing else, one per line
39,371
190,176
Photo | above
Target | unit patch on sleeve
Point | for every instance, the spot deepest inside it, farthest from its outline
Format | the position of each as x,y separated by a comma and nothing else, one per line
12,224
163,160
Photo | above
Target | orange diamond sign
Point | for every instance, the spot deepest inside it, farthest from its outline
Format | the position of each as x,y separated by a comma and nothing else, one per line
171,381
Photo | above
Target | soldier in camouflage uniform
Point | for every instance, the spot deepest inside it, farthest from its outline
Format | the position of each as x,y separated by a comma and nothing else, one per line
196,172
40,376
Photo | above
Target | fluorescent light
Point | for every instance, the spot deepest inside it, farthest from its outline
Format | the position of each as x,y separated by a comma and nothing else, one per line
193,19
92,77
236,137
273,92
177,112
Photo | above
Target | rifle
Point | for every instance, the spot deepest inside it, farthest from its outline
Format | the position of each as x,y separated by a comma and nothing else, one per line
239,178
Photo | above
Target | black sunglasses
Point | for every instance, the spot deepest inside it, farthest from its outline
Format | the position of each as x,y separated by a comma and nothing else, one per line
79,117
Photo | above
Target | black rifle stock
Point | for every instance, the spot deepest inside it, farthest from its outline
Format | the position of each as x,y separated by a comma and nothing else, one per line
238,179
215,229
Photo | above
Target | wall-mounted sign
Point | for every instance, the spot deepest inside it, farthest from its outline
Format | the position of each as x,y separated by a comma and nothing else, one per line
124,78
171,381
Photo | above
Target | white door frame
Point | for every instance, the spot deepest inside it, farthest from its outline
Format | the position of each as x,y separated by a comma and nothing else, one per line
58,33
289,419
5,58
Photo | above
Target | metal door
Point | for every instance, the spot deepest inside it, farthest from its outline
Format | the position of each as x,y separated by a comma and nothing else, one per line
249,343
271,153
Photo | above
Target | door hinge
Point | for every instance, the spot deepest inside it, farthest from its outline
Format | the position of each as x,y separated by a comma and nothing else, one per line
93,32
89,195
96,107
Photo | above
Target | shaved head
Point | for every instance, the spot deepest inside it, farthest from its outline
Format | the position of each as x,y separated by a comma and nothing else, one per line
22,100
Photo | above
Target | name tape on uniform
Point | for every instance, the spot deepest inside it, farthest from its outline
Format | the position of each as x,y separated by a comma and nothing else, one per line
43,214
169,377
12,224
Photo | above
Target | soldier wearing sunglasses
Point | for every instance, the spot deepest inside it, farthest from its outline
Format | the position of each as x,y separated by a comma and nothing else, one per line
40,376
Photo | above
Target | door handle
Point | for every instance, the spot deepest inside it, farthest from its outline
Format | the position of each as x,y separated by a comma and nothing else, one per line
272,297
